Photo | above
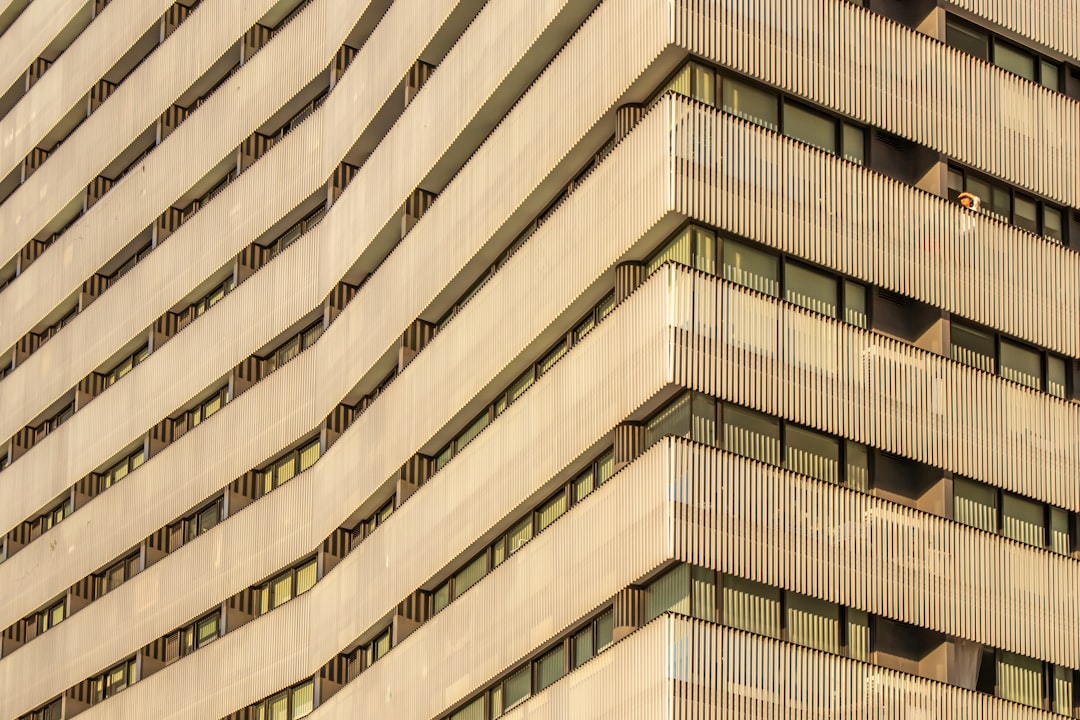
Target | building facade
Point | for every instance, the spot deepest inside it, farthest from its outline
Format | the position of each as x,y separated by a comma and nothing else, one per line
548,359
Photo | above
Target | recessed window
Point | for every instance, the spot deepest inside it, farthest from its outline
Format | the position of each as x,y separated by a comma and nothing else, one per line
289,584
985,45
751,103
751,434
811,453
1021,364
967,39
752,268
973,347
813,623
1014,60
751,606
810,289
116,680
286,468
810,127
1023,520
975,504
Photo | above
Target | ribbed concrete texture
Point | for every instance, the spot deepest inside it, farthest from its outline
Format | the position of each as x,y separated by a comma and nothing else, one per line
478,359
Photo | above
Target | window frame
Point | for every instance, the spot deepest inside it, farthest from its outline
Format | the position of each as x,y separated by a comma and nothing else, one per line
1045,359
955,170
267,602
1039,61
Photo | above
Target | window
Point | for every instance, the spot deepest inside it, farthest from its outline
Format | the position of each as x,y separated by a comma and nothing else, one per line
1013,207
201,521
52,711
858,634
551,511
115,680
691,415
551,357
54,516
61,417
208,407
212,298
987,46
286,468
686,589
119,573
810,127
751,606
811,453
810,289
1014,361
292,704
472,711
973,347
121,470
695,81
470,574
296,230
751,434
127,365
283,588
975,504
550,668
1060,534
595,638
594,476
694,247
750,103
1019,678
753,268
292,347
1023,520
813,623
52,616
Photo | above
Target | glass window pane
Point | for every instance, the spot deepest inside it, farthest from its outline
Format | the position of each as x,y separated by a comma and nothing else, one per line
549,668
551,511
751,434
751,103
605,307
583,647
670,591
1059,531
115,577
682,82
279,707
309,455
751,606
968,40
472,711
1049,75
1052,225
207,630
209,517
673,420
975,504
1063,690
57,615
1000,201
854,144
442,596
496,696
303,700
520,535
605,467
516,688
470,574
1019,678
281,589
382,645
285,470
1014,60
444,456
1023,520
583,485
703,419
810,127
810,289
551,358
1021,365
605,628
1026,214
473,430
855,304
680,250
857,472
702,593
704,84
751,267
583,329
811,453
520,386
858,635
973,347
980,189
306,576
813,623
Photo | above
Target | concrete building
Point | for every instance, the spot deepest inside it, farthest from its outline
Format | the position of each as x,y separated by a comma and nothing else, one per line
461,360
